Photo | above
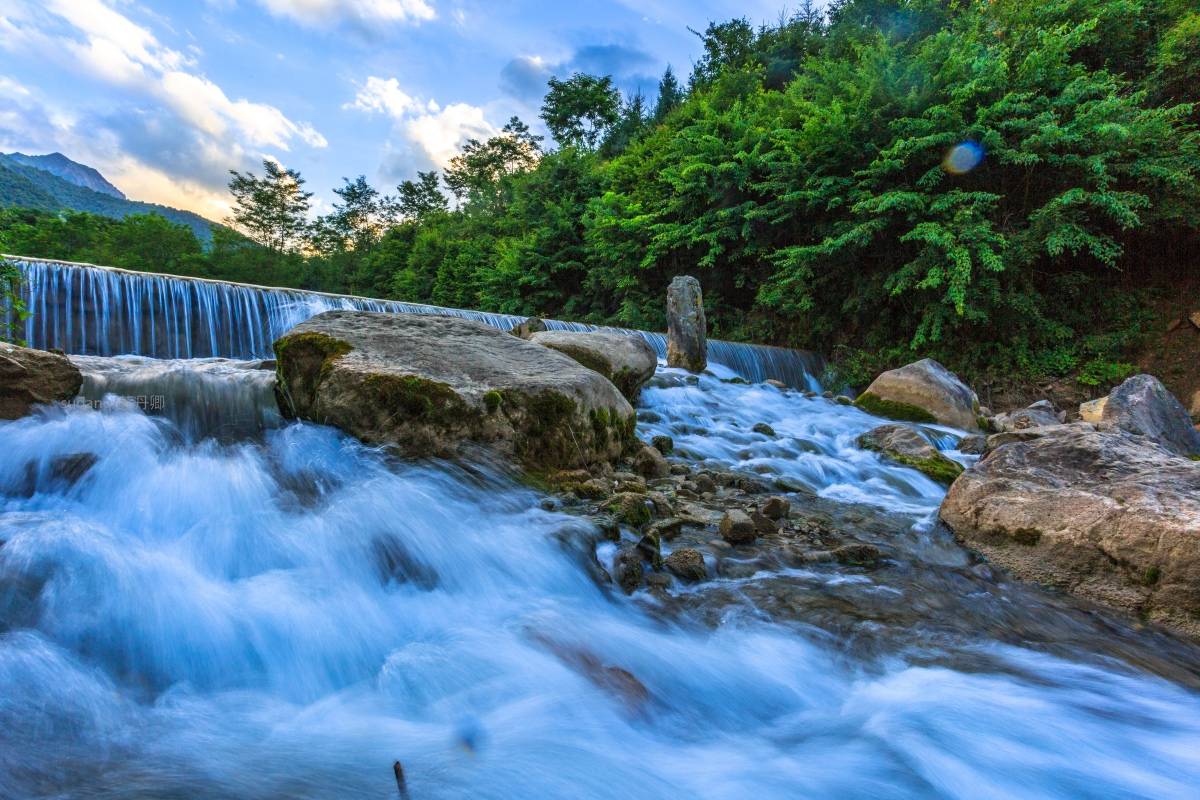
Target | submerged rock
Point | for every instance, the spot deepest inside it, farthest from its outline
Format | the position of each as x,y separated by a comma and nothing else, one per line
663,444
687,342
1143,406
29,377
1108,516
627,361
923,391
763,428
426,385
904,445
627,569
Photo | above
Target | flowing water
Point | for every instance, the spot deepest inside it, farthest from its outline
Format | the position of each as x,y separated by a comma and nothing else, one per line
200,601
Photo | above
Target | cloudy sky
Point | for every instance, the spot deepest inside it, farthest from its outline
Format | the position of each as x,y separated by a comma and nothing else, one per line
164,97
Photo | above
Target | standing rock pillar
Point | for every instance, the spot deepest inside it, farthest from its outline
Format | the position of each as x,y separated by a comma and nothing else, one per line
687,342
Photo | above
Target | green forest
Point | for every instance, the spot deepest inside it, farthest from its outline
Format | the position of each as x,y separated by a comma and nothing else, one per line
1004,185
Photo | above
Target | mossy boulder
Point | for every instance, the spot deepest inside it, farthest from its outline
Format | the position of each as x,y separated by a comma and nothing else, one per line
905,445
627,361
428,385
923,391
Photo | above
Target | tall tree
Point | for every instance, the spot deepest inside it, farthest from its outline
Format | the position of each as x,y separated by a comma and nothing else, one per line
670,95
271,210
476,173
422,197
580,109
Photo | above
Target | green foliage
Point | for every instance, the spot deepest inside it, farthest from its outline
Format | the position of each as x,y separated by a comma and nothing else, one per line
12,306
271,210
998,184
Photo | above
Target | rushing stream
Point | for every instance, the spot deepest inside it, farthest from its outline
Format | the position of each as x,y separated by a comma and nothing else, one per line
198,601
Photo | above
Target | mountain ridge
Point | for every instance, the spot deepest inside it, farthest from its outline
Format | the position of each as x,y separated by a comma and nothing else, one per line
23,185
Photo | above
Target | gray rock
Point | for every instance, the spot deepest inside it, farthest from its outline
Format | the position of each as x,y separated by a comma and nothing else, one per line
29,377
687,331
1038,414
687,564
764,429
973,445
627,361
426,385
1143,406
1111,517
737,527
905,445
923,391
650,463
627,569
663,444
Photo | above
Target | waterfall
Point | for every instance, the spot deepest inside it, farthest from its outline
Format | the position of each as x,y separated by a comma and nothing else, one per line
85,309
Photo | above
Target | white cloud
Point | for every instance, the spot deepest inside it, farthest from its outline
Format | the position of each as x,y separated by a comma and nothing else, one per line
359,12
93,40
384,97
437,133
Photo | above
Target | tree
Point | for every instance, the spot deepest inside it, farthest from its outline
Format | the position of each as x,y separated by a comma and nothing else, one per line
670,95
627,128
580,109
12,307
422,197
271,210
476,172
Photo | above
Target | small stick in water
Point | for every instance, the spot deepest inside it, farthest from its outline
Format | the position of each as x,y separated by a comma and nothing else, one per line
401,784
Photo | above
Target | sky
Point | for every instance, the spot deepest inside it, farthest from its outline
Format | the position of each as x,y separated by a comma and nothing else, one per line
164,98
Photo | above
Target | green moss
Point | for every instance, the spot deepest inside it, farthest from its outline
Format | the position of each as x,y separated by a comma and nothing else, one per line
630,508
874,404
301,355
1151,575
1195,456
417,397
492,400
940,468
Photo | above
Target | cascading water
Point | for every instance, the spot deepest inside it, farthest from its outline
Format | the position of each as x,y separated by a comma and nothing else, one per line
283,612
88,310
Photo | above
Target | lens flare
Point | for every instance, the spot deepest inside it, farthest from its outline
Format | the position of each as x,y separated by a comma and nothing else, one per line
962,158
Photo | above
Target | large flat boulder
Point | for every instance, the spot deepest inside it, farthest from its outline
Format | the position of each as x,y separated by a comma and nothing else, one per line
426,385
1108,516
29,377
923,391
627,361
1143,406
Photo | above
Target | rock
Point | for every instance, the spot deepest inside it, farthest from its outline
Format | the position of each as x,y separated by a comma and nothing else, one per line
687,564
1143,406
1111,517
687,331
764,429
973,445
650,548
1023,435
763,524
630,508
663,444
425,385
627,361
843,400
528,328
1039,414
29,377
780,385
627,569
1194,318
650,463
737,527
862,555
923,391
1093,410
705,484
904,445
776,507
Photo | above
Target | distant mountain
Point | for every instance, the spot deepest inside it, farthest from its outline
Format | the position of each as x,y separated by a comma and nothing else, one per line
27,186
70,171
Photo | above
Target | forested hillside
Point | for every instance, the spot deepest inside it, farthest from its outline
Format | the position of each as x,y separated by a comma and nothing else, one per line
32,182
1007,185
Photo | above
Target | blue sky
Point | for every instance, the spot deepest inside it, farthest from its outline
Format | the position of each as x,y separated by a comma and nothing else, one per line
165,97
